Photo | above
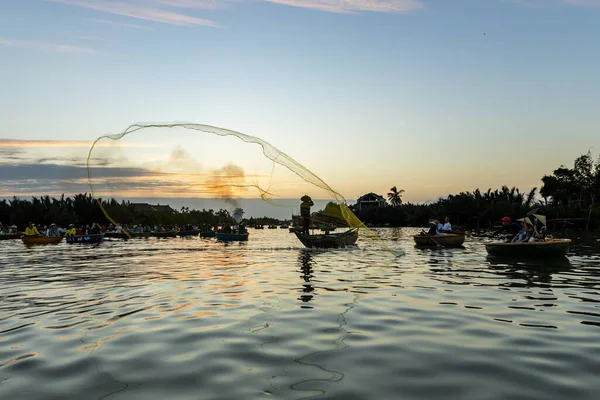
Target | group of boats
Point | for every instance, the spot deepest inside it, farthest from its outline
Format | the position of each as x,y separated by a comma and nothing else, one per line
541,249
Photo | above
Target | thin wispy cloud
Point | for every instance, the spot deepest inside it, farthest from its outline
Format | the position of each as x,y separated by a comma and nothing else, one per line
139,11
122,24
553,3
64,143
351,6
206,4
44,46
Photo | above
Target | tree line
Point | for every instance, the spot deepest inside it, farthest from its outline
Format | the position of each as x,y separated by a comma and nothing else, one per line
83,209
567,197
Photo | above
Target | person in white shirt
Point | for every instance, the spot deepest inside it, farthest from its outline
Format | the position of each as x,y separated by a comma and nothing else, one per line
447,225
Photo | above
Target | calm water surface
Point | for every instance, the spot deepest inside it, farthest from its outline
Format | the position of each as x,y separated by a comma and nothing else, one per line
196,319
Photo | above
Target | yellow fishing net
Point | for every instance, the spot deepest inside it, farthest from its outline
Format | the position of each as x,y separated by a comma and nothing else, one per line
186,160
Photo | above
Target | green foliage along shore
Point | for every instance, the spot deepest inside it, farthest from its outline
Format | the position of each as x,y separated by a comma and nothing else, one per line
84,209
569,194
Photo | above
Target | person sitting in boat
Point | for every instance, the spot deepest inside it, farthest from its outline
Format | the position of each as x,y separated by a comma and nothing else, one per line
226,229
53,231
539,229
31,230
508,226
95,229
305,206
447,225
71,231
79,230
439,225
525,233
433,230
4,230
242,229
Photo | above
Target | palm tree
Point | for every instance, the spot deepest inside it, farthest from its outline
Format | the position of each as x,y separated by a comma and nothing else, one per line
395,196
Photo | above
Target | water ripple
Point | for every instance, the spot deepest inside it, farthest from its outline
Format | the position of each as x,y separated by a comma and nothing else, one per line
194,318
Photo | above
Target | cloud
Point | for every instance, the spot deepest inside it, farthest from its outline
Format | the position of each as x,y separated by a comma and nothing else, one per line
47,47
65,143
552,3
122,24
139,11
350,6
205,4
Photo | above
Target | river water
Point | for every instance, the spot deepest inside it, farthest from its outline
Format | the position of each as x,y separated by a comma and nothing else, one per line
195,319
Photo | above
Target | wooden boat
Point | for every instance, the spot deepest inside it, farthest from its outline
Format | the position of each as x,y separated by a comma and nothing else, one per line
259,227
85,239
272,226
548,248
28,240
446,240
123,235
457,233
328,241
208,234
188,233
165,234
231,237
284,226
9,236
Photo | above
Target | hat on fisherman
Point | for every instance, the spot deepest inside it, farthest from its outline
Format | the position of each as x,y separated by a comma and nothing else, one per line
541,218
526,220
305,198
506,219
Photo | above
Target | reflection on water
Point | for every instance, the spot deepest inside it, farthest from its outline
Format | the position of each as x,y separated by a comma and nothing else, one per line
194,318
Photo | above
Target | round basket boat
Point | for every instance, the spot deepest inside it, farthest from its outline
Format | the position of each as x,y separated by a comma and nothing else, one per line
448,240
85,239
548,248
28,240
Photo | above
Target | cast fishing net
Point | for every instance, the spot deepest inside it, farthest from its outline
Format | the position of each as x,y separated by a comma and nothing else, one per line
185,160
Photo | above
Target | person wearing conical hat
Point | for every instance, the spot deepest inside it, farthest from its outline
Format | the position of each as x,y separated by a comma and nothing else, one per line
526,231
539,228
305,206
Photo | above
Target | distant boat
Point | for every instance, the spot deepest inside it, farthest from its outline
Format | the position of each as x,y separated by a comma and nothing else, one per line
259,227
85,239
232,237
328,241
193,232
548,248
449,240
9,236
28,240
165,234
272,226
283,226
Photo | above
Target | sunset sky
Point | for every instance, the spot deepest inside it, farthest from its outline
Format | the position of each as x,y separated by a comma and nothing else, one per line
432,96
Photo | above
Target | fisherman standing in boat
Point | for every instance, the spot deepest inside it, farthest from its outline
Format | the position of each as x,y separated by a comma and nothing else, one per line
305,206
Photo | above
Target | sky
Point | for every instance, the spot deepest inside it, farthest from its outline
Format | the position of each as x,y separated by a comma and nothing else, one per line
432,96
